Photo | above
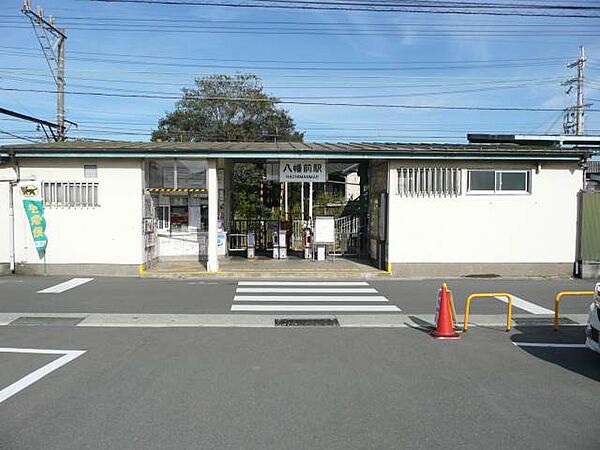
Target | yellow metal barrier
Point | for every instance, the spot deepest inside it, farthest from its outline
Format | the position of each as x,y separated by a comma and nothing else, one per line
557,300
499,294
452,308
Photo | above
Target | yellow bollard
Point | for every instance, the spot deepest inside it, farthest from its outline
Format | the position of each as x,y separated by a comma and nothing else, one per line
557,300
500,294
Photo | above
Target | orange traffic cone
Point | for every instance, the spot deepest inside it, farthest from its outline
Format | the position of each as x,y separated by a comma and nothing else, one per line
444,327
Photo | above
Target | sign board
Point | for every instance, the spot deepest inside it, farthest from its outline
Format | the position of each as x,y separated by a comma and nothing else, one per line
324,230
298,170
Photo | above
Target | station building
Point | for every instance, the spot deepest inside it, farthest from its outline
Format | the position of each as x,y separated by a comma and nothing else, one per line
424,210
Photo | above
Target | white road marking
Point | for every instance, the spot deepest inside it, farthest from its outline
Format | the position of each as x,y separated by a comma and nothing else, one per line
28,380
317,308
311,298
62,287
303,283
290,296
526,306
549,345
308,290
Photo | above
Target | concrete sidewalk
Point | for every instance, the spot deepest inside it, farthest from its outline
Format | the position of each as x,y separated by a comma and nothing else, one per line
264,267
417,321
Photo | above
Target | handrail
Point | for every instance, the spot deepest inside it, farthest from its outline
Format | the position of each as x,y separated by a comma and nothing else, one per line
557,300
481,294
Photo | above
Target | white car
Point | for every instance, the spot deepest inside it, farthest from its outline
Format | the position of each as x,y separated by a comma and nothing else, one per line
592,330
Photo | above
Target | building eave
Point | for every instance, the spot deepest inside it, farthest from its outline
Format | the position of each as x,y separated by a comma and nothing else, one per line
314,155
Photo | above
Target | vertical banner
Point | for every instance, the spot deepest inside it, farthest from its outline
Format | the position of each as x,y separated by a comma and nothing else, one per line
34,208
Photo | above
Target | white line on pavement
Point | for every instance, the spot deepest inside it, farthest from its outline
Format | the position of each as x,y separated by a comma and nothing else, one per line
526,306
28,380
312,298
549,345
62,287
316,308
309,290
303,283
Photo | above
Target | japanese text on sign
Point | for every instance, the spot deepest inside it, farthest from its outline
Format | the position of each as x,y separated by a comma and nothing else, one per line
296,170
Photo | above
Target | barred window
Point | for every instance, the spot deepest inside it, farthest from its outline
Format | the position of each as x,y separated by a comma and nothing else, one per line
70,193
430,181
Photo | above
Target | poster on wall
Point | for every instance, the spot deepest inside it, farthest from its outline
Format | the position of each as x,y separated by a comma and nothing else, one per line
34,209
299,170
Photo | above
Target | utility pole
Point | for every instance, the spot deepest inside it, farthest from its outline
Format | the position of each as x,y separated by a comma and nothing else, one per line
52,40
574,115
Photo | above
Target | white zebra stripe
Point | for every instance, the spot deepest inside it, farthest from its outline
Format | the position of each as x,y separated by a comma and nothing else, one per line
309,298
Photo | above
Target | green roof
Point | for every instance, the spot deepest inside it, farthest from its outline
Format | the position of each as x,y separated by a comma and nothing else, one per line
253,150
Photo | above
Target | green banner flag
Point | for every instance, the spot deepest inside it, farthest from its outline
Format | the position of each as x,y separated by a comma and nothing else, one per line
37,223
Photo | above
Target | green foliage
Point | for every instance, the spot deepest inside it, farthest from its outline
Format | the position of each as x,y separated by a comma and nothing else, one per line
246,190
226,108
232,108
324,198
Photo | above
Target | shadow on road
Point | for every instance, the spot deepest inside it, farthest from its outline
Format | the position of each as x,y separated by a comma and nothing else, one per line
421,325
579,360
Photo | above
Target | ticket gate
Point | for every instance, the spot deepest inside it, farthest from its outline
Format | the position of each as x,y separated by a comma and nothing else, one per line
279,244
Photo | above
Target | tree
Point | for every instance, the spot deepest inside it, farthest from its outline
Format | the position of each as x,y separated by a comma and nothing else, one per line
226,108
231,108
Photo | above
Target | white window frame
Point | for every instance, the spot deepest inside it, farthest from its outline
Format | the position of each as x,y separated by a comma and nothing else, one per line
497,179
165,224
90,171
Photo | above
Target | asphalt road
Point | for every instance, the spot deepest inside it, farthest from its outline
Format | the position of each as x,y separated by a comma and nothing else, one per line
313,388
168,296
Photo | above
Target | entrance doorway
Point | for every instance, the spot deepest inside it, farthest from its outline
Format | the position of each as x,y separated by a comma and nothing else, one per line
263,204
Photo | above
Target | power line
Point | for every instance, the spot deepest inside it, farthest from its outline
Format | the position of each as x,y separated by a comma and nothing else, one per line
490,65
430,33
181,20
295,61
329,97
488,85
17,136
298,102
489,9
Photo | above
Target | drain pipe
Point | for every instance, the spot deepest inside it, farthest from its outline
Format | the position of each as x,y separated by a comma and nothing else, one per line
11,218
11,226
11,215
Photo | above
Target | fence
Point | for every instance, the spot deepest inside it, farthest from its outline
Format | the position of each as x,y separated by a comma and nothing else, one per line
347,236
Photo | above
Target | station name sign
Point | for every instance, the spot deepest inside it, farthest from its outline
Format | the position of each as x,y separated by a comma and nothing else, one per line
298,170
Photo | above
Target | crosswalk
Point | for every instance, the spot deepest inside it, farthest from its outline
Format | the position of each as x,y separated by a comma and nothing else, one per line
309,296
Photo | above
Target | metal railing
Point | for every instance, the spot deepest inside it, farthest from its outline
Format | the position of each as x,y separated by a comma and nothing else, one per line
347,235
557,301
238,242
483,295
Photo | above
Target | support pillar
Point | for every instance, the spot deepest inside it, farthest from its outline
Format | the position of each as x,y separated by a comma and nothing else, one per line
302,201
310,201
287,215
213,208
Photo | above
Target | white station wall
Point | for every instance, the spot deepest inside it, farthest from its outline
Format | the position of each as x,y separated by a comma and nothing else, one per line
539,227
107,234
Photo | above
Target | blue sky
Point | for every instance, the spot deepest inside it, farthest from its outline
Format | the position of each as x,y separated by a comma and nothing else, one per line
366,58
